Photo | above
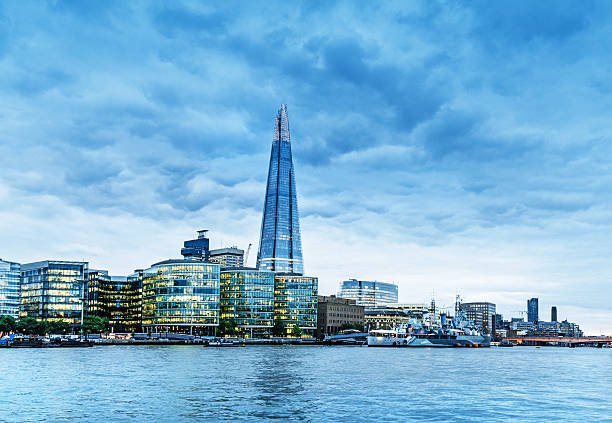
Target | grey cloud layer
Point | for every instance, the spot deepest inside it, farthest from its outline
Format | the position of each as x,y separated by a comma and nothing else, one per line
427,123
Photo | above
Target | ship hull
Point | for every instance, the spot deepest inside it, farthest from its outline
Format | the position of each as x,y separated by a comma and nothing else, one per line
469,341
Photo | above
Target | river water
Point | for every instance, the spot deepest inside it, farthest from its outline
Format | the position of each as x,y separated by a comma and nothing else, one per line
304,383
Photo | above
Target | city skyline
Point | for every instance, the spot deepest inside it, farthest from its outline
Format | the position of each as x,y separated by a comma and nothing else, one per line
441,148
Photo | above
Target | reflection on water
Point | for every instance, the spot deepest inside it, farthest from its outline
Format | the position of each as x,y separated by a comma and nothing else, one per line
291,383
278,382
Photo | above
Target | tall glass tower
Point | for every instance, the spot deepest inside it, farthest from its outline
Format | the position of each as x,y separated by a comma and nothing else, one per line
280,244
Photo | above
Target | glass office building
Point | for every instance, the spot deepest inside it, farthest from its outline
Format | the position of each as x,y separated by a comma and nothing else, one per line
247,297
116,298
369,293
53,290
181,296
9,288
295,302
280,244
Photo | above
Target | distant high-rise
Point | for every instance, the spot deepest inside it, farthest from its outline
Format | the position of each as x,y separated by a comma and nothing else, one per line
280,244
227,257
532,310
553,314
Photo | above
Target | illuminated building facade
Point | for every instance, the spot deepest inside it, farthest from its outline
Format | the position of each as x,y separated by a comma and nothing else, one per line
181,296
280,244
116,298
9,288
369,293
247,297
295,302
227,257
53,290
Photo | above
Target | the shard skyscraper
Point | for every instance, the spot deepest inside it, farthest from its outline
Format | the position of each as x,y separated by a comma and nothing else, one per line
280,244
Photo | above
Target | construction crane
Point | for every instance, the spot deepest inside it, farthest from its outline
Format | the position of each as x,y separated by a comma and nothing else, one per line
246,255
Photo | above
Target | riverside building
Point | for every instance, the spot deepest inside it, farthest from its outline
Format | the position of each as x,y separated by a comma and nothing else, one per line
369,293
247,297
9,288
333,313
181,296
295,302
116,298
53,290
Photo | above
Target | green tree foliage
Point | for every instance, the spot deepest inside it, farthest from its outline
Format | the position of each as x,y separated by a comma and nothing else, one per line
95,324
296,331
7,324
357,326
227,327
278,329
58,328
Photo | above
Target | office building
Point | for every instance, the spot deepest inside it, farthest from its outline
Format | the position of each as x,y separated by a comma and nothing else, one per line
295,302
197,249
553,314
532,310
116,298
280,244
227,257
9,288
247,297
369,293
334,314
481,313
53,290
181,296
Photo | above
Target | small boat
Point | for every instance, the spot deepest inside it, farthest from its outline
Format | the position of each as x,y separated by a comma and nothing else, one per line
222,343
606,346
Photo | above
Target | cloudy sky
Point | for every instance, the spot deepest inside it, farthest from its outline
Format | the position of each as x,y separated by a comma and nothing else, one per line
450,147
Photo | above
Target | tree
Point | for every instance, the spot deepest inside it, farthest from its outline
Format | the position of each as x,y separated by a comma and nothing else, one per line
58,328
279,328
7,324
296,331
227,327
27,326
357,326
95,324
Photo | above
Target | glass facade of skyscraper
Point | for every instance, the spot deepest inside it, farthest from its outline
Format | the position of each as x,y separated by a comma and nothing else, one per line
280,244
369,293
9,288
247,297
533,310
295,302
53,290
181,296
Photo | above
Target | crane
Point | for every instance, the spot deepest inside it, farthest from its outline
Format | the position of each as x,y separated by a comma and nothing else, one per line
246,255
